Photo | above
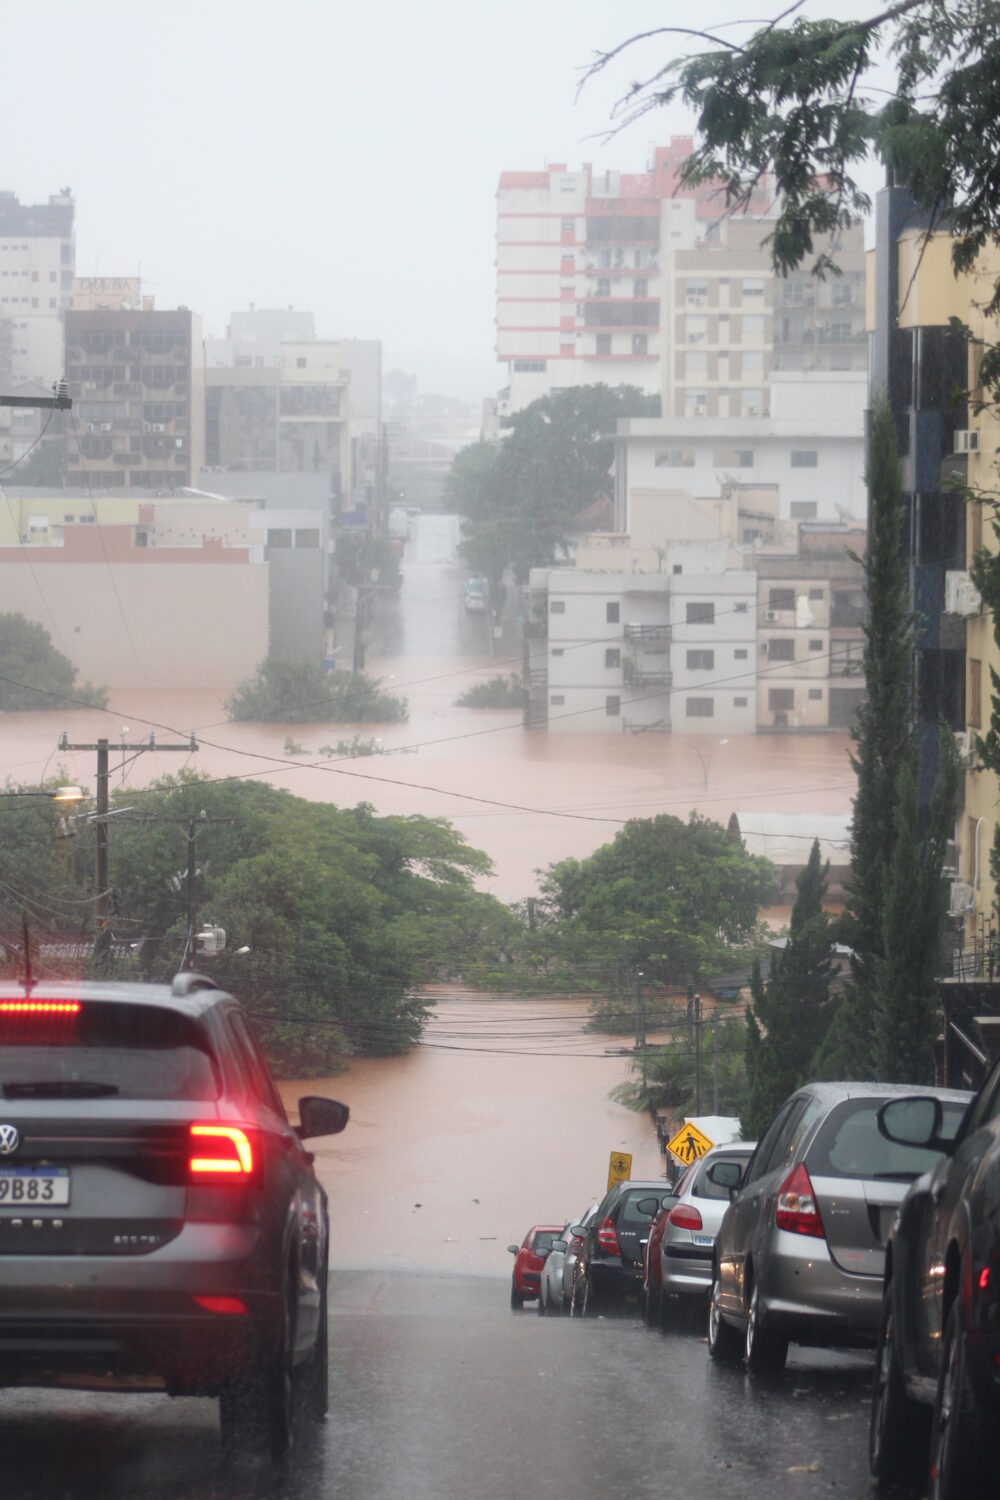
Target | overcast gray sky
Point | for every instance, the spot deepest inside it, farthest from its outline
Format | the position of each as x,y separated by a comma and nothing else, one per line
340,158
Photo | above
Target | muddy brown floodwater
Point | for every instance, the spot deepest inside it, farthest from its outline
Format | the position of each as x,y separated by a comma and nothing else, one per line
499,1120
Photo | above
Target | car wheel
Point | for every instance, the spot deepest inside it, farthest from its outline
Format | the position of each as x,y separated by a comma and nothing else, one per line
764,1351
257,1411
898,1433
516,1300
315,1385
723,1338
958,1437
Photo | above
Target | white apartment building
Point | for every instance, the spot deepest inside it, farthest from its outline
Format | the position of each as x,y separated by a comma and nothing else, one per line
810,448
37,255
634,652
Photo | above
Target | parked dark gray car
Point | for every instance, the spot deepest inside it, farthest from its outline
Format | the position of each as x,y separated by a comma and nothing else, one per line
161,1225
800,1252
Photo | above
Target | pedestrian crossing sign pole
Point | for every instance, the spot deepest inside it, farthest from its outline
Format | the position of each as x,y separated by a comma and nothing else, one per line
689,1144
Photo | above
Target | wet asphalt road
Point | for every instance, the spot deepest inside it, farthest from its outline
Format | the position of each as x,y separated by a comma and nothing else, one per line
440,1392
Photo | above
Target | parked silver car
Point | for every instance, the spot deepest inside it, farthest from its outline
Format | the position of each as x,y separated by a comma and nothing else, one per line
556,1290
801,1249
692,1224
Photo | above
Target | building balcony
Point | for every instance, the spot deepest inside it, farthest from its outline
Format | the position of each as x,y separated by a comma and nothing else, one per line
650,637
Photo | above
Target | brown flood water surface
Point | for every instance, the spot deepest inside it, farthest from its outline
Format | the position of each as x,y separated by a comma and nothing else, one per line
500,1120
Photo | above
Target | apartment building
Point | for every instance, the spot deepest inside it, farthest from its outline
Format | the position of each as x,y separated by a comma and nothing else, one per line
37,258
634,278
137,382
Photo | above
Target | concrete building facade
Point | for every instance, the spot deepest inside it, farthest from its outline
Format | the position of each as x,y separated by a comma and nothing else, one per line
37,259
137,383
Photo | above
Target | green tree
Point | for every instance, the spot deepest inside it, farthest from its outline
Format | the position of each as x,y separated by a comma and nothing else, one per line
519,498
666,1078
801,99
34,675
301,692
677,901
789,1015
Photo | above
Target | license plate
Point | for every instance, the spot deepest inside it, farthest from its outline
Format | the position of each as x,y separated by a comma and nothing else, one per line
703,1239
34,1187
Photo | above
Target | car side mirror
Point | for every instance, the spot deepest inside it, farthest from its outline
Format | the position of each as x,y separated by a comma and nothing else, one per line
318,1116
559,1245
915,1121
513,1249
726,1174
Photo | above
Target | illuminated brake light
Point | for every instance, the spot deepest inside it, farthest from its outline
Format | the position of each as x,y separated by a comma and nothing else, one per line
984,1278
40,1007
227,1148
230,1307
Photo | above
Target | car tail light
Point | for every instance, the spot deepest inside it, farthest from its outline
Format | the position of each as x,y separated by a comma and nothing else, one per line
796,1208
607,1238
684,1217
229,1307
220,1151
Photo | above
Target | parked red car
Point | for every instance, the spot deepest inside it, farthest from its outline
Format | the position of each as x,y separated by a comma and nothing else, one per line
529,1258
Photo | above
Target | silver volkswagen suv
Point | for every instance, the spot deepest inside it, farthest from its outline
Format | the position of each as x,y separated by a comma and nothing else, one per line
161,1225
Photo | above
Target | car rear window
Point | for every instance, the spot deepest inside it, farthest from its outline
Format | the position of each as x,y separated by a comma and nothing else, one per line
849,1144
640,1208
705,1188
545,1239
105,1050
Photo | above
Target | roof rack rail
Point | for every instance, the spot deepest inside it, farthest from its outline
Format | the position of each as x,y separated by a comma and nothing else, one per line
187,982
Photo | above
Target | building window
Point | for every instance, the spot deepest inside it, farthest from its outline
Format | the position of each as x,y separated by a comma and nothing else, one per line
739,703
781,699
604,343
604,286
612,613
753,286
569,226
699,708
529,366
557,606
695,403
976,515
816,695
678,568
695,362
733,458
803,510
740,607
557,700
674,458
613,705
641,288
612,657
740,654
751,328
752,402
695,329
279,537
975,692
781,599
700,661
556,651
805,458
783,650
640,343
308,537
300,363
815,645
752,361
701,613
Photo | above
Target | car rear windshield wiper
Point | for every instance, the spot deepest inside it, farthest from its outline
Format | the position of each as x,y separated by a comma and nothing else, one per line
59,1088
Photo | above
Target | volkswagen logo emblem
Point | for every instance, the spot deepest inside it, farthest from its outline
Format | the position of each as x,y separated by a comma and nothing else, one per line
10,1139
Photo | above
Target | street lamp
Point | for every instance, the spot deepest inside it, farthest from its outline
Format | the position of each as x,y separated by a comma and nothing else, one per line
706,760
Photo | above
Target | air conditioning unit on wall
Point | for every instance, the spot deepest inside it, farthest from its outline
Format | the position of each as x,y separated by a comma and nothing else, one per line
961,597
960,899
965,745
966,440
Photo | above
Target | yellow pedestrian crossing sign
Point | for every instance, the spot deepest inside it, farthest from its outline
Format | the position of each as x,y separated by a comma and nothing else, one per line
619,1168
689,1144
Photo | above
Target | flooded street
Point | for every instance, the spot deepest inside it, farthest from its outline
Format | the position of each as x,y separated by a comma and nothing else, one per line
500,1119
527,798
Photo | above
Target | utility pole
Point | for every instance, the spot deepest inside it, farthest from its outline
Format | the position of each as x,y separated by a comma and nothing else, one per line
640,1023
715,1062
697,1054
102,892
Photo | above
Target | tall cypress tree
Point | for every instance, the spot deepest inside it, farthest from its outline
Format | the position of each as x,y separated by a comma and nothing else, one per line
792,1008
883,746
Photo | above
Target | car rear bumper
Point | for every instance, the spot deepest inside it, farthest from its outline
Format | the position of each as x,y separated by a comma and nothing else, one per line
94,1320
615,1278
686,1269
805,1293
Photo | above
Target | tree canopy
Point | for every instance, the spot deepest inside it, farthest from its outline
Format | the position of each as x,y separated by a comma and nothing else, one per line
803,100
518,498
302,692
34,675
